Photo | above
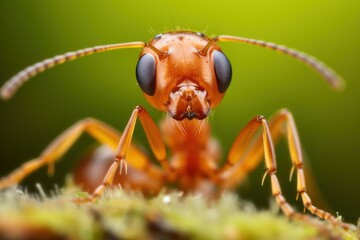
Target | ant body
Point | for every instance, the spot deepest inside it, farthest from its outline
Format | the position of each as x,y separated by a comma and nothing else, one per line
184,74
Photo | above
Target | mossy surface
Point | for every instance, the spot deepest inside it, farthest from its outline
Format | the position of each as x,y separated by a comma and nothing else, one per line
126,215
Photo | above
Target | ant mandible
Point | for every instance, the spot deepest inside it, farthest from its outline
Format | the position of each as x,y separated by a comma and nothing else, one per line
184,74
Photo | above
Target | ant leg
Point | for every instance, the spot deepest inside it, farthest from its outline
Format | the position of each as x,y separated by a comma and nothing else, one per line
99,130
248,160
263,145
154,138
92,167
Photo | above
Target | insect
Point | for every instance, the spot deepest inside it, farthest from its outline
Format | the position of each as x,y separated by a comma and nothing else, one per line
184,74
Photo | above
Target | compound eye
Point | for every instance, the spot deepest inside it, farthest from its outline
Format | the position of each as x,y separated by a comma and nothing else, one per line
146,73
223,70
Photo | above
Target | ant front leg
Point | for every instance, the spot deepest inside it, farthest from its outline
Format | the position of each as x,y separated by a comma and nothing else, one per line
154,138
99,131
248,150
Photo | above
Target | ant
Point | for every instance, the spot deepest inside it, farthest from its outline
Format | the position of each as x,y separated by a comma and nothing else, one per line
184,74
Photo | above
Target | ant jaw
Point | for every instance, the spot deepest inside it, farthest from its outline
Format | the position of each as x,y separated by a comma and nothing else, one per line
188,101
188,115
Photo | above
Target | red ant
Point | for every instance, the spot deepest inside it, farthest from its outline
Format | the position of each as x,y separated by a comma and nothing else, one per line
184,74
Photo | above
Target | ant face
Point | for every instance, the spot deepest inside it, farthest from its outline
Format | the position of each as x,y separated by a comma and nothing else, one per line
184,74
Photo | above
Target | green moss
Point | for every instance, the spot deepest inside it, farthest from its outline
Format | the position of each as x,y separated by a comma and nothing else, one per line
127,215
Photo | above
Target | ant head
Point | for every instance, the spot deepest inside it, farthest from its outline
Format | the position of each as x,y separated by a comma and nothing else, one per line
183,73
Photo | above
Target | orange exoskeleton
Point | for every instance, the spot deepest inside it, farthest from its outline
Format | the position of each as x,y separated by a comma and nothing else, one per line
184,74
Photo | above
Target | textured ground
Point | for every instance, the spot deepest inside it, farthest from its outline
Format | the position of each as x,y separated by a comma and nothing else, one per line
123,215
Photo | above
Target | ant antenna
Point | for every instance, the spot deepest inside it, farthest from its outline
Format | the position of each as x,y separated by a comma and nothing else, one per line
12,85
161,54
326,72
203,52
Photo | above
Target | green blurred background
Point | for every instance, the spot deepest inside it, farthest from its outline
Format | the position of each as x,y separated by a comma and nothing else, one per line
104,86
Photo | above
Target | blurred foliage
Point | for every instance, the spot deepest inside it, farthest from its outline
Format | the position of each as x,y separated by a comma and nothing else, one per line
104,86
127,215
